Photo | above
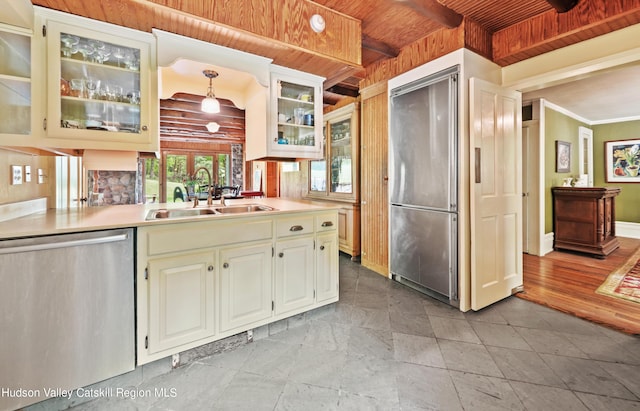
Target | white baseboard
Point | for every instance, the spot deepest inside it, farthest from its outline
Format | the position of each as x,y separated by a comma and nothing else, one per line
626,229
547,244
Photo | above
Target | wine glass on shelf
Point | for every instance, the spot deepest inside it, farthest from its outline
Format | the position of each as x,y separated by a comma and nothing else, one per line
69,44
103,54
85,49
133,61
118,53
100,50
92,85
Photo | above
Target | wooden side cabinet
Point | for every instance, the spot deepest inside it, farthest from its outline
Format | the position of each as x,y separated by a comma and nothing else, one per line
336,178
584,219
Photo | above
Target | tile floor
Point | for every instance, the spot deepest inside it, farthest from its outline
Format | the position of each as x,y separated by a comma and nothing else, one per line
387,347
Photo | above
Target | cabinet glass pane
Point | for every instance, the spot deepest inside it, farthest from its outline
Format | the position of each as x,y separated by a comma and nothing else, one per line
318,176
295,114
340,157
100,85
15,83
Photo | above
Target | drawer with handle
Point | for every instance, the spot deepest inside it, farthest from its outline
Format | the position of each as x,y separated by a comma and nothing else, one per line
294,226
326,222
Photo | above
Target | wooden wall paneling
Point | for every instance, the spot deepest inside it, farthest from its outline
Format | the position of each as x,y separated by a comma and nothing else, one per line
272,180
374,217
293,184
478,39
424,50
286,21
552,30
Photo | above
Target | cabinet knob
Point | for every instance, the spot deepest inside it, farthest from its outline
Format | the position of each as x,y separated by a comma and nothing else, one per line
327,224
225,265
144,128
296,228
321,247
210,268
280,255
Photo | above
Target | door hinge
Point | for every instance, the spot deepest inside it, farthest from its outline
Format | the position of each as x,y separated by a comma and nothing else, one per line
146,342
314,244
44,31
44,124
314,294
146,273
273,252
273,305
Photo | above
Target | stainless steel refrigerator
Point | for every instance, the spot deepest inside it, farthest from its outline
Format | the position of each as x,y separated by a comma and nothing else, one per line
423,171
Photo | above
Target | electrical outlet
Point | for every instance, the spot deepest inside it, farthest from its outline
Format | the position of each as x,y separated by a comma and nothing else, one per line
175,360
16,175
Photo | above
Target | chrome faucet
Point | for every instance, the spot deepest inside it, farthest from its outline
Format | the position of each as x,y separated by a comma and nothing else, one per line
209,198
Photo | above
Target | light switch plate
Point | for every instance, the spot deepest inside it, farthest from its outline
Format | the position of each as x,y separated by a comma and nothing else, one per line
16,175
27,174
40,176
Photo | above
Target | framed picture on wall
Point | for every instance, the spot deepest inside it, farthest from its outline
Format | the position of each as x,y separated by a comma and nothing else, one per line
563,157
622,160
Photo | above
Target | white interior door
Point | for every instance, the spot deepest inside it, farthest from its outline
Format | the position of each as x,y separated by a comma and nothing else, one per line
525,188
496,192
585,154
531,170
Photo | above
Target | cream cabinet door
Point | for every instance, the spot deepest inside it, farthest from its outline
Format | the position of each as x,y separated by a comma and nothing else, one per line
245,285
181,300
294,285
326,267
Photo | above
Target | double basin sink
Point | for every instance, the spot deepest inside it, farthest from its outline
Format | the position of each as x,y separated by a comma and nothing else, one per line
164,213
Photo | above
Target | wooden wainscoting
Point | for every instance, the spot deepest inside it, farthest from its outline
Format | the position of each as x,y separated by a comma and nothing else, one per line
374,209
567,282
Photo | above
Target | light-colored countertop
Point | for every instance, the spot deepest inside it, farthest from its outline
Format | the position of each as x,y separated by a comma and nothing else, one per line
58,221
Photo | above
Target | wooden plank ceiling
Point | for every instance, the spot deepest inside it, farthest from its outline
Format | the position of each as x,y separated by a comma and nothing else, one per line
363,34
359,32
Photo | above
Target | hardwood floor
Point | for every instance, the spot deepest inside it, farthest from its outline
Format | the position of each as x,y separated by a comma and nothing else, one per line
567,282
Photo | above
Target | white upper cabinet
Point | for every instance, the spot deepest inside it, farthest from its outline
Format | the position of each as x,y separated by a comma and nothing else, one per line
15,85
294,118
101,84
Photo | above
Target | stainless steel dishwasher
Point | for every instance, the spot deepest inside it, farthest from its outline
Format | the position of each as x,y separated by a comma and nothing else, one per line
66,313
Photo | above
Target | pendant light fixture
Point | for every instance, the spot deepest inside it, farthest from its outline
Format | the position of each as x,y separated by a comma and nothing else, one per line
213,127
209,103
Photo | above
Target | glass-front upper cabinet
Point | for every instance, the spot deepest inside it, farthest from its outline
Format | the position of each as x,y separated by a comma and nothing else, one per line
296,114
15,84
99,86
336,176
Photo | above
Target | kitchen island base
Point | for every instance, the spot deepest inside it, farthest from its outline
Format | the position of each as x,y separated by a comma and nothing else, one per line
206,280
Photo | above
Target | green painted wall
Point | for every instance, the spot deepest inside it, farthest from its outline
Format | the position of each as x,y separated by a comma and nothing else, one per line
564,128
557,126
628,202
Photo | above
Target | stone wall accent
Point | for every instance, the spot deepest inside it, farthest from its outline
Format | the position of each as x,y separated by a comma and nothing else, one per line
237,165
107,187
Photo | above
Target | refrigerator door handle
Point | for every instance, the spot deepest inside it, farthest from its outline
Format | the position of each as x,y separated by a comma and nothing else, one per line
478,165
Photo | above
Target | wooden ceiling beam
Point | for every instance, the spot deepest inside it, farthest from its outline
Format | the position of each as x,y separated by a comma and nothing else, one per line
343,90
435,11
528,39
562,6
379,47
